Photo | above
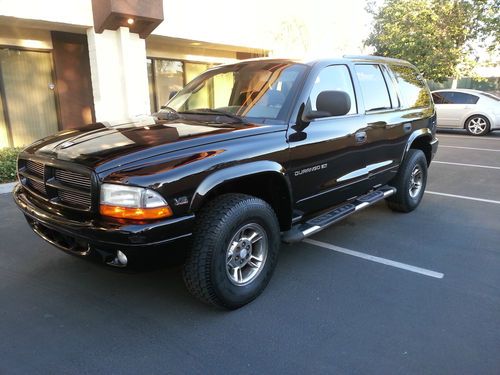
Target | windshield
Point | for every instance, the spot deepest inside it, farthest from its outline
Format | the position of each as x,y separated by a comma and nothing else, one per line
251,90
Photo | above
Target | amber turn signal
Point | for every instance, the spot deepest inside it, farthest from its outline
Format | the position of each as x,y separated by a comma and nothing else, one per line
136,213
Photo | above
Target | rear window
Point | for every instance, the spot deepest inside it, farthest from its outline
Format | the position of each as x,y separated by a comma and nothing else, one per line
412,88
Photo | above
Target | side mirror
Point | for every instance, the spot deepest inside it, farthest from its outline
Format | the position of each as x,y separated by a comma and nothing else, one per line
331,103
172,94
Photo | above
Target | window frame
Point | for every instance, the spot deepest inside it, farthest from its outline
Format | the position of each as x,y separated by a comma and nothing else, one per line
383,110
356,96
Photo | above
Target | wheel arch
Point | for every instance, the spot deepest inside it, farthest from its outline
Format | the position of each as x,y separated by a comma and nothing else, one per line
263,179
421,140
476,113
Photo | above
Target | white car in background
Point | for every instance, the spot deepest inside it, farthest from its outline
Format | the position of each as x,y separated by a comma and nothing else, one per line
476,111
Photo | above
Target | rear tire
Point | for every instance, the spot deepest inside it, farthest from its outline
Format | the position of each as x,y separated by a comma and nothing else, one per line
477,125
410,182
234,251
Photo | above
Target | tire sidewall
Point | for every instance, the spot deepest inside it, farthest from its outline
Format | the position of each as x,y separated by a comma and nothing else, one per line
235,295
416,157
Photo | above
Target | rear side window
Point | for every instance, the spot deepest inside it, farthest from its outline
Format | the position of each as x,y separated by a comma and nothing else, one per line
412,88
333,77
451,97
463,98
373,86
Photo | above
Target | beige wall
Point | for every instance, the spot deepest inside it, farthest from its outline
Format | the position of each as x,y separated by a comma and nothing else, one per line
15,36
174,49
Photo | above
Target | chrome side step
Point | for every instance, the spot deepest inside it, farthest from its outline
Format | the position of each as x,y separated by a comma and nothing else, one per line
318,223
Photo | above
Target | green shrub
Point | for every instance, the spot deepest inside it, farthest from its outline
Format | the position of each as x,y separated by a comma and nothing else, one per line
8,158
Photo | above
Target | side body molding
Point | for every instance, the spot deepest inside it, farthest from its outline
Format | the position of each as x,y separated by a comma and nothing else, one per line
233,173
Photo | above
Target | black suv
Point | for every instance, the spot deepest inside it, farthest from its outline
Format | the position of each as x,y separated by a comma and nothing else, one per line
247,155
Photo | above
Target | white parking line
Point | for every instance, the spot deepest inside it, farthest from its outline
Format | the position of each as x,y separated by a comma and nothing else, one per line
463,197
470,148
387,262
466,165
468,137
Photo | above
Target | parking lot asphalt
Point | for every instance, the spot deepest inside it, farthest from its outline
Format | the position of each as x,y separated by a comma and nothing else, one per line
379,293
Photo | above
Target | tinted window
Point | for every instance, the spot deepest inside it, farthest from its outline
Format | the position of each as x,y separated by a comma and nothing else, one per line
462,98
334,77
451,97
373,86
412,87
438,98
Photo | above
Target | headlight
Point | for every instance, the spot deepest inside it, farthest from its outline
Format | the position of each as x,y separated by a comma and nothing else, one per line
129,202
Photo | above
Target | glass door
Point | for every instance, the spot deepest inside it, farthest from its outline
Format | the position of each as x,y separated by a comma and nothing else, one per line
29,100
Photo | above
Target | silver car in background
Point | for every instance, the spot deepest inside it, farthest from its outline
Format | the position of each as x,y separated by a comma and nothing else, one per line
476,111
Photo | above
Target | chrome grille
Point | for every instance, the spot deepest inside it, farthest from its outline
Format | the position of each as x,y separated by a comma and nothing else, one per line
38,186
58,185
35,168
76,199
73,179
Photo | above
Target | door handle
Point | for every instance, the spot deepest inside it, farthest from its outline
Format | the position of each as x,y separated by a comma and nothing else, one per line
360,137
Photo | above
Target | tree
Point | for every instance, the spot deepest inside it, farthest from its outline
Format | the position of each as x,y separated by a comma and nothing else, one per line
438,36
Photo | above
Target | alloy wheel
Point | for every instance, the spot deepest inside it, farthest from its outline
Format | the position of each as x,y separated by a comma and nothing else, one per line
246,254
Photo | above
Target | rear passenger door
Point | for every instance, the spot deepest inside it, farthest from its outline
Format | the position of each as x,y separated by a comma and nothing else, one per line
387,131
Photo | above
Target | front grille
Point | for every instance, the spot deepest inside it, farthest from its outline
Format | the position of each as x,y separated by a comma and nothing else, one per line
73,198
70,188
38,186
35,168
73,179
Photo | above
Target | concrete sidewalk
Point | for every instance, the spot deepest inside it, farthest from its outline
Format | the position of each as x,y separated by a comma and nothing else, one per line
7,188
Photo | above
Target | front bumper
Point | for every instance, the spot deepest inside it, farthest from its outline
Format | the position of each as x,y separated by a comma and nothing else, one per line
100,239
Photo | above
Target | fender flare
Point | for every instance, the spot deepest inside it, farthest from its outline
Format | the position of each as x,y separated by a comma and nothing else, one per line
420,133
232,173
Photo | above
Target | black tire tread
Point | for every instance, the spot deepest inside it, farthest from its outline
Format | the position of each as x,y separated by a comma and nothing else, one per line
397,202
212,218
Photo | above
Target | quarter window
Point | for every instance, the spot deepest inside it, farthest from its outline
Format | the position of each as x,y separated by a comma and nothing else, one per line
373,86
392,90
333,77
413,90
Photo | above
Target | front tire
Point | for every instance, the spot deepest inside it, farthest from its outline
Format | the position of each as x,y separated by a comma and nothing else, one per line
477,125
410,182
234,251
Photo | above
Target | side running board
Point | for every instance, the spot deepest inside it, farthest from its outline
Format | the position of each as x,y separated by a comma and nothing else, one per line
318,223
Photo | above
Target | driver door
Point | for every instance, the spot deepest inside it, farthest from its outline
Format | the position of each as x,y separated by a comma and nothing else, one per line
328,154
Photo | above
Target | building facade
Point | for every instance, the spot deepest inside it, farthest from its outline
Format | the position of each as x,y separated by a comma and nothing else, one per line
64,64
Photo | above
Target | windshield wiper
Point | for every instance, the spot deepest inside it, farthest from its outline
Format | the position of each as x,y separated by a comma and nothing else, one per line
167,113
210,111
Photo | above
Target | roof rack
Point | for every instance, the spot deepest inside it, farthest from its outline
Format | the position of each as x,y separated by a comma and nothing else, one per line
374,58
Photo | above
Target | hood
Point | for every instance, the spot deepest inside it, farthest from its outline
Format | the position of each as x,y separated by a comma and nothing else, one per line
102,146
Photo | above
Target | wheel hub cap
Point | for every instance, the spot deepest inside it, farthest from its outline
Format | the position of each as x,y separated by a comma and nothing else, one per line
477,125
416,181
246,254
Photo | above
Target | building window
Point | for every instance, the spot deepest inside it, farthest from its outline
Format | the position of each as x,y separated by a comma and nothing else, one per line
169,76
28,106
